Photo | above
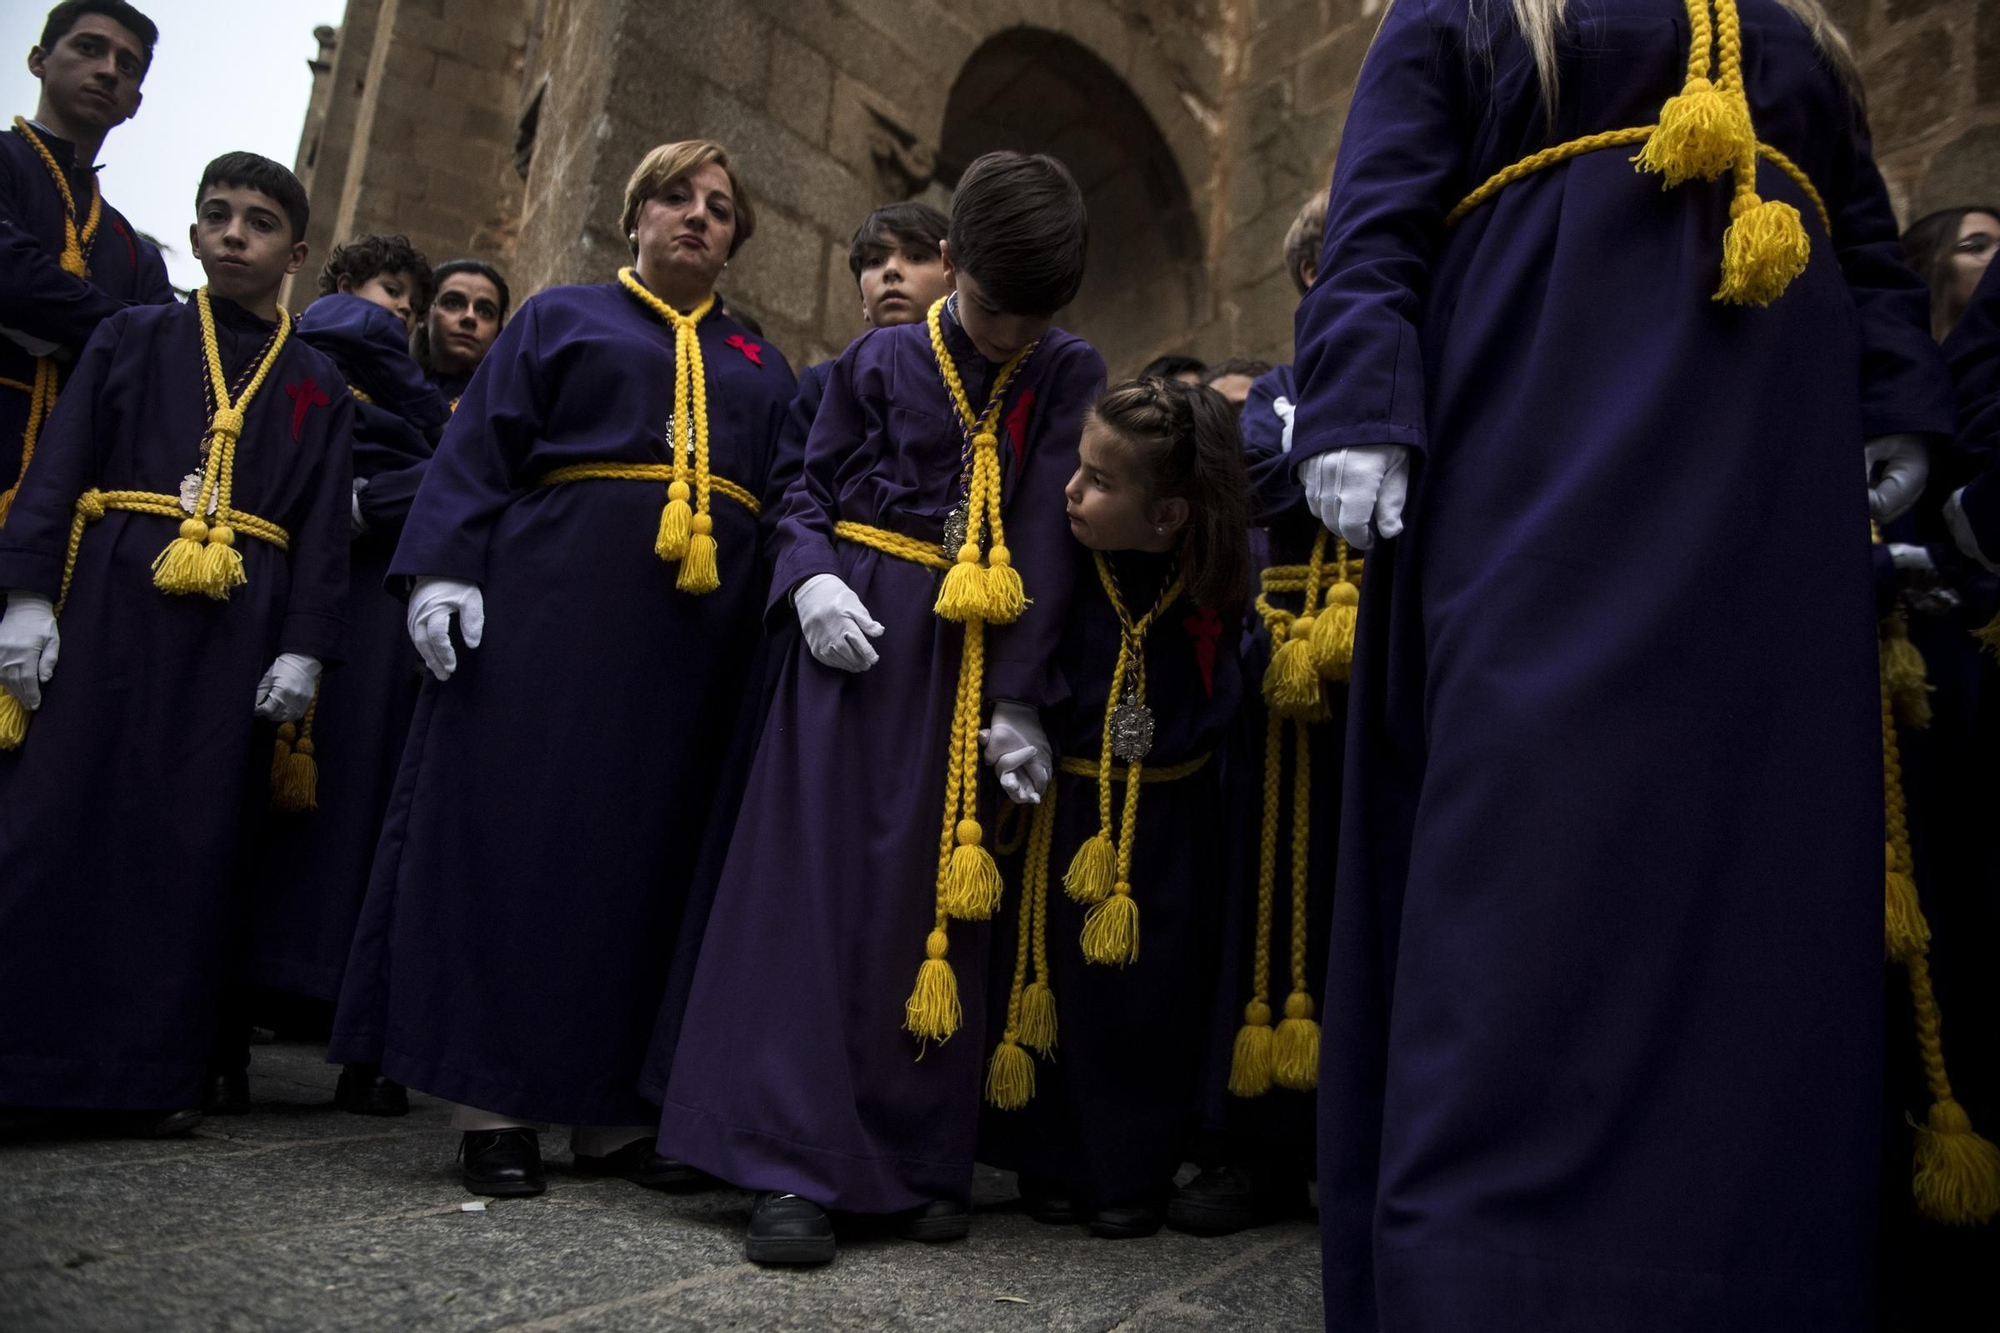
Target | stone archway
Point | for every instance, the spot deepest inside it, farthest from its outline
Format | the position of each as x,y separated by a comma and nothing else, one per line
1039,91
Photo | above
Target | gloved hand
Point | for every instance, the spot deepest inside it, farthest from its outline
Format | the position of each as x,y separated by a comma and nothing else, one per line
837,626
1911,559
1283,407
29,645
433,602
1898,466
360,523
1358,492
1961,530
287,688
1018,749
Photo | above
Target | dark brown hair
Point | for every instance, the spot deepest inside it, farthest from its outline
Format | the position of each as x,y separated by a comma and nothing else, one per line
63,18
420,341
1019,227
1235,365
1184,443
274,180
912,225
1928,244
367,257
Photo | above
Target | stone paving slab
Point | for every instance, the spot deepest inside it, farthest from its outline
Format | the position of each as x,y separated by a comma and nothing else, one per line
299,1217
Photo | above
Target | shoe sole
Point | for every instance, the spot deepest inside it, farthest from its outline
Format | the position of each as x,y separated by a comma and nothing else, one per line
789,1250
506,1190
936,1231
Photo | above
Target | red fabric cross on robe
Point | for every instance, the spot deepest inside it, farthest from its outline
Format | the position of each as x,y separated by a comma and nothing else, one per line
1017,427
305,395
754,351
1205,628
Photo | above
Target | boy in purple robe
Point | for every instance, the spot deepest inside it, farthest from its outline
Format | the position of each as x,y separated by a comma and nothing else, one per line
125,773
809,1068
1603,1042
597,495
331,774
67,259
1112,941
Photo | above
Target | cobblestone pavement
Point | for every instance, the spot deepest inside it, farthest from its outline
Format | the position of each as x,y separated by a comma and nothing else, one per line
299,1217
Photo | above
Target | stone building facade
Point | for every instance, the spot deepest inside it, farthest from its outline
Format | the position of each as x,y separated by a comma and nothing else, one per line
506,129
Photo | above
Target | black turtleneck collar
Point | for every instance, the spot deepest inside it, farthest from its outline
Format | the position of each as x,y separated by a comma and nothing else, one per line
61,149
230,315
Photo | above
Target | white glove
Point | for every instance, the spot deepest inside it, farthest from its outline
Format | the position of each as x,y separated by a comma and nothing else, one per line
1904,462
287,688
1283,407
1911,559
1018,749
360,523
1358,492
433,602
1961,530
29,646
837,626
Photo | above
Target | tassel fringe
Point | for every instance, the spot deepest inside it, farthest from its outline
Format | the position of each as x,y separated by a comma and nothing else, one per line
933,1012
1292,681
1702,133
1038,1018
1763,250
1250,1063
1333,632
1010,1077
699,574
1905,932
1958,1172
676,524
13,721
972,884
1092,871
1111,930
1295,1045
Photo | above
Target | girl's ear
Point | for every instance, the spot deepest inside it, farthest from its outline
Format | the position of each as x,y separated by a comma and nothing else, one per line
1168,516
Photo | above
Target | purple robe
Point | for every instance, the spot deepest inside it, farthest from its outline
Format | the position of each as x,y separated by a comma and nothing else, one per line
549,812
122,812
1110,1117
310,868
1603,1028
793,1071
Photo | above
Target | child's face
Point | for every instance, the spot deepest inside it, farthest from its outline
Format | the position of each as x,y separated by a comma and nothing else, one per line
464,321
389,290
244,242
1109,509
995,333
900,285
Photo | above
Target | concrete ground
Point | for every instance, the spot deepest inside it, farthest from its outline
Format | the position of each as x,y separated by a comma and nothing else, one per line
300,1217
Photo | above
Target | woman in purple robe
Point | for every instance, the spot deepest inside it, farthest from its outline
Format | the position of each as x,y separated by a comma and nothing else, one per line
597,495
808,1066
1603,1031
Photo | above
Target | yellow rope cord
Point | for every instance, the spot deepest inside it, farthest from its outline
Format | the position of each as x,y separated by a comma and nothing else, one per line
1541,161
654,472
78,240
1250,1071
686,534
990,592
41,402
892,543
358,395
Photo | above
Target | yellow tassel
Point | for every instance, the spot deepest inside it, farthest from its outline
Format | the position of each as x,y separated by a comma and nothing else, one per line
676,524
1111,929
1004,597
698,572
1038,1017
1905,675
932,1012
1702,133
1295,1046
1958,1172
1250,1063
972,883
963,594
1292,682
1763,250
221,564
1905,932
297,788
13,722
1010,1078
179,567
1333,631
281,750
1092,871
1989,635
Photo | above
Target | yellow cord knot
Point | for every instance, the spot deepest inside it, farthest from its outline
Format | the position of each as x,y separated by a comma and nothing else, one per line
1702,133
1250,1070
72,256
90,505
228,424
972,883
932,1012
1295,1045
1763,250
1111,929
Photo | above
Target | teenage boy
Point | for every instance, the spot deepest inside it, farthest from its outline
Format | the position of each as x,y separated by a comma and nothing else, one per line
187,516
67,258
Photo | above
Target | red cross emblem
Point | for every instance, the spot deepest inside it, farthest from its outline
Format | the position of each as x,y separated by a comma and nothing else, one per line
754,351
305,395
1205,628
1017,427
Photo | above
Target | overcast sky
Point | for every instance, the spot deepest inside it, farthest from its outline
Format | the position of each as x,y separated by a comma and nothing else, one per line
228,74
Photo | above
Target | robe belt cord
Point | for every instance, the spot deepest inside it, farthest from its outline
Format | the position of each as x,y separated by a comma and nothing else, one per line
653,472
1031,1004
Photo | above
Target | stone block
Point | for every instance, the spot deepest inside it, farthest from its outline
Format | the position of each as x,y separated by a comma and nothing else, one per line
801,88
777,272
1101,30
1911,87
1327,73
1986,58
1965,169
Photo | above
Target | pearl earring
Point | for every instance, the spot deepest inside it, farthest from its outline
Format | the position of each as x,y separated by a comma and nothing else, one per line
632,237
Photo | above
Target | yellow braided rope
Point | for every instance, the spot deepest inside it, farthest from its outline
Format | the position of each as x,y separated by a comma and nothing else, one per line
41,402
1250,1071
360,396
686,534
990,592
654,472
77,240
892,543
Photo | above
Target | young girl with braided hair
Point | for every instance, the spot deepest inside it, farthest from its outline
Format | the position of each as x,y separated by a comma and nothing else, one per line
1102,966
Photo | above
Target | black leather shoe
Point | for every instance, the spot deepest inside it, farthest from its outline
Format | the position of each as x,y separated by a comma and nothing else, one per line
785,1229
503,1163
1046,1201
938,1220
227,1094
1127,1221
162,1124
1228,1199
366,1090
638,1163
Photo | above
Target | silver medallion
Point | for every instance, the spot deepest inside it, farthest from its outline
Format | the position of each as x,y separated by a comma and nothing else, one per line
956,524
191,493
1131,732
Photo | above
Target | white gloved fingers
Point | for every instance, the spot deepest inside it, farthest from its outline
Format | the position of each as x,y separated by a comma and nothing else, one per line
22,684
1018,790
1903,462
267,691
1357,486
1282,407
472,620
1961,530
433,641
50,652
1395,493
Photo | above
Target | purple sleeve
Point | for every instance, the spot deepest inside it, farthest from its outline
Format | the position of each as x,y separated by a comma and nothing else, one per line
386,500
802,540
34,542
1401,166
1904,384
38,298
316,612
1022,661
788,450
1274,484
471,479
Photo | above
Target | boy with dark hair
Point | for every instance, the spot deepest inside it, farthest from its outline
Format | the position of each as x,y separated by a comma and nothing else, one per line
187,515
1186,369
311,869
939,449
1233,377
386,270
67,259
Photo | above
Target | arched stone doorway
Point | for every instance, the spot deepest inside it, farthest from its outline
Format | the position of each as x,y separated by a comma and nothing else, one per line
1039,91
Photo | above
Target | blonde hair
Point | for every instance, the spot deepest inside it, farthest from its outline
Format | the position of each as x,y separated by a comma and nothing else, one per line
671,162
1302,240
